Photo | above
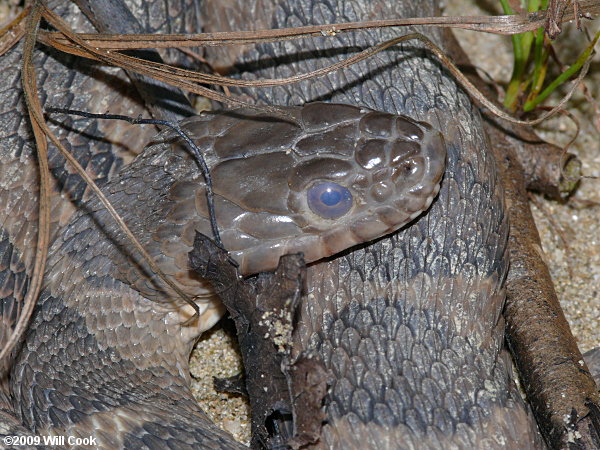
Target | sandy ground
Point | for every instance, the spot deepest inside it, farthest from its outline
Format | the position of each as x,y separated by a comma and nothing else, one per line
571,237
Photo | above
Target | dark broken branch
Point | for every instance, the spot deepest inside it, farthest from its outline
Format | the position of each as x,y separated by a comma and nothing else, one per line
285,396
555,377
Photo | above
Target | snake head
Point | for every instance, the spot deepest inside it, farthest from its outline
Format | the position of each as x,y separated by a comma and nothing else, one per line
323,178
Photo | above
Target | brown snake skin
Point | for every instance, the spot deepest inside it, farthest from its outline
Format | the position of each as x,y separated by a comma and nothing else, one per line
409,327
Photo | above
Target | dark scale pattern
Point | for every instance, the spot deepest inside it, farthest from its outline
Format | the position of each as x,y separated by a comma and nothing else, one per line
13,281
58,81
66,378
411,328
69,380
399,375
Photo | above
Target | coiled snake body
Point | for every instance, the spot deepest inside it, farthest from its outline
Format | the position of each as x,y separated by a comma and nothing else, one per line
408,326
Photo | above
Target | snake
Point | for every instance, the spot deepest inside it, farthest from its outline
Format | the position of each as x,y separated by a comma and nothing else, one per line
383,178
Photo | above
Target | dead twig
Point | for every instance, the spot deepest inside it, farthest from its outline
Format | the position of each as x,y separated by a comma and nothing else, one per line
282,392
507,25
43,238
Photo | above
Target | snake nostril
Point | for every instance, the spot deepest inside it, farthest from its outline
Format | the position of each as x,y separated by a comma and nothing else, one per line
329,200
409,171
409,168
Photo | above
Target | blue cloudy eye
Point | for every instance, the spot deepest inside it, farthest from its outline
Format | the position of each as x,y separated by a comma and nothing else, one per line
329,200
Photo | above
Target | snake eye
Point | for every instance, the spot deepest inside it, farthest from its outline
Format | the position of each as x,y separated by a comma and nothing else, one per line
329,200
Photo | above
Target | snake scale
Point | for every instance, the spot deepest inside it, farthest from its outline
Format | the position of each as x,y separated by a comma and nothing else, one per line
409,326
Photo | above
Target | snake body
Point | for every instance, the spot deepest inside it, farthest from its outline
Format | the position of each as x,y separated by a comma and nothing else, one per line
139,341
409,326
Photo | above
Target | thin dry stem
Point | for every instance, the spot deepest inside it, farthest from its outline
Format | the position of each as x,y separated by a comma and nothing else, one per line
186,79
43,238
507,25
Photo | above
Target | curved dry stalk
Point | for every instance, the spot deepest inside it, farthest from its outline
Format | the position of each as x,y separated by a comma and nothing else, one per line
115,59
484,101
506,25
42,132
173,75
43,238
